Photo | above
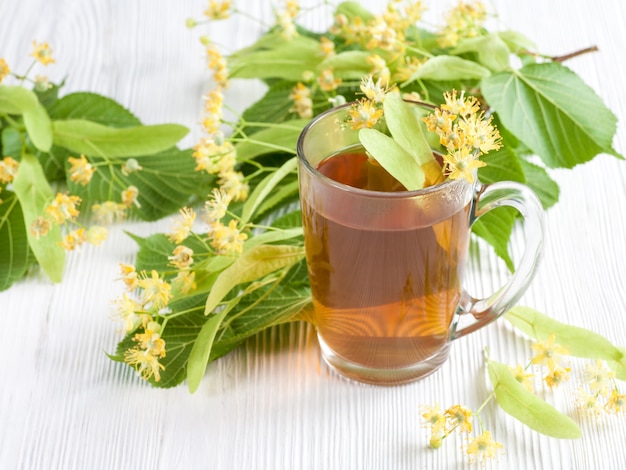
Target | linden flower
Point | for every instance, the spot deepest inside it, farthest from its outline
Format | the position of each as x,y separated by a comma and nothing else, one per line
182,226
482,448
440,121
526,379
557,376
146,363
182,257
588,403
156,292
434,418
463,21
284,20
382,36
130,166
364,114
599,378
616,403
108,212
96,235
130,195
81,171
228,239
375,92
327,80
379,68
151,340
460,105
63,208
40,227
548,353
408,67
185,281
217,206
5,71
462,164
233,183
218,10
479,133
126,312
213,157
42,53
73,239
42,83
292,7
301,97
129,276
459,417
327,46
8,169
217,63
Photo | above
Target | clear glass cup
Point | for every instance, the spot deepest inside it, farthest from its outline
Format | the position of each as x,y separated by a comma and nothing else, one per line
387,268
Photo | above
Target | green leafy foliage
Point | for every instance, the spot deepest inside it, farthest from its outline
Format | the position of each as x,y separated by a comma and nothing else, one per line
41,131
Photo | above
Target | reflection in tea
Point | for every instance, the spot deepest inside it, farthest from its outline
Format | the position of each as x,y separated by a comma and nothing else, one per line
384,295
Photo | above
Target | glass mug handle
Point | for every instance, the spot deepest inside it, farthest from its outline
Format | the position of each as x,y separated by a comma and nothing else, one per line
522,198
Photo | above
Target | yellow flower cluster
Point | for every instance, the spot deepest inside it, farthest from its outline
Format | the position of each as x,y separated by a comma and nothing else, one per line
465,20
465,132
458,418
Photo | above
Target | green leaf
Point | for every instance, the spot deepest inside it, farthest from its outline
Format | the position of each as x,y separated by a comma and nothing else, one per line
348,64
288,59
619,366
393,158
553,112
496,227
406,128
95,108
448,67
201,350
34,193
527,407
19,100
90,138
266,187
491,50
14,251
502,165
166,182
517,42
580,342
251,265
538,179
278,138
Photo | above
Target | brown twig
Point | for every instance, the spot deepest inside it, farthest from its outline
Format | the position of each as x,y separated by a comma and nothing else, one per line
571,55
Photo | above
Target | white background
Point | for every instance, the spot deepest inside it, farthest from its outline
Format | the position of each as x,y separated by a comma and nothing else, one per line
272,404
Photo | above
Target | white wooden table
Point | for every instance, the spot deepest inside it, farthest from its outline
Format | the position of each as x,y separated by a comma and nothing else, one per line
272,404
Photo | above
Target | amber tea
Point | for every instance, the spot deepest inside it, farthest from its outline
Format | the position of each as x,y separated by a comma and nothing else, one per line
384,294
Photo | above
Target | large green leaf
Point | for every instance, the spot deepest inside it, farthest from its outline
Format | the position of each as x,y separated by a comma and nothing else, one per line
14,250
538,179
527,407
91,138
166,182
553,112
34,193
490,49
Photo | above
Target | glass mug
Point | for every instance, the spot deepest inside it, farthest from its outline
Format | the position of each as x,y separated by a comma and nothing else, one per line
386,269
